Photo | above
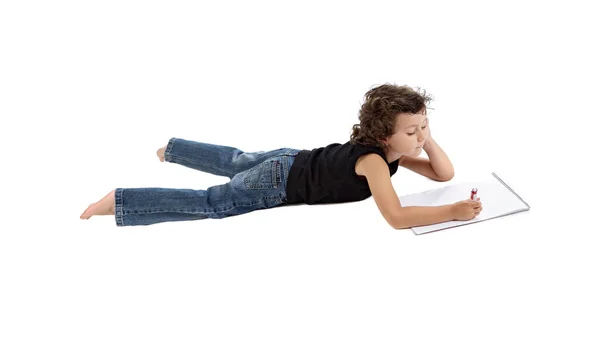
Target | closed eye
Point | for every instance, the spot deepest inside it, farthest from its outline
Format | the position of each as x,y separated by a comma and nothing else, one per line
410,134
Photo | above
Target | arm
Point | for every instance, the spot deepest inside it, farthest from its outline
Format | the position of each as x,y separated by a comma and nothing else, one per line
414,216
437,167
378,176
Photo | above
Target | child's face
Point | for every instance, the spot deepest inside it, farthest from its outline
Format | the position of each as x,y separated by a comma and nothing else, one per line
411,132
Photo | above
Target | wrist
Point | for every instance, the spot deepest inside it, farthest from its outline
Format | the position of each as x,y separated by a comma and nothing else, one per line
451,211
428,143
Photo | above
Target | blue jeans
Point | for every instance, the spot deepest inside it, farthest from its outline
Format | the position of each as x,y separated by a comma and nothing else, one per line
258,180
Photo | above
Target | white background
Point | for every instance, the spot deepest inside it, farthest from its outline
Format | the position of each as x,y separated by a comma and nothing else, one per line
90,90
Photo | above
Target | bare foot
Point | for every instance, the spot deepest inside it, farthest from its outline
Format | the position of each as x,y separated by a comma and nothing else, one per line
104,207
161,153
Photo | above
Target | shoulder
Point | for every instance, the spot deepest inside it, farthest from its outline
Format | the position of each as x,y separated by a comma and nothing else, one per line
370,163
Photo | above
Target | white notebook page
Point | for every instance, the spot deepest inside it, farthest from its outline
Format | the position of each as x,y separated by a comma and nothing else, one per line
497,198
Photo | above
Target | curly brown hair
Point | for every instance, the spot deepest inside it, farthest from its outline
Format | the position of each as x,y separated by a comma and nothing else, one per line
382,105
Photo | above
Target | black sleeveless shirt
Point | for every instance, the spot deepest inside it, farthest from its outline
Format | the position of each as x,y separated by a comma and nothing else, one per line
326,174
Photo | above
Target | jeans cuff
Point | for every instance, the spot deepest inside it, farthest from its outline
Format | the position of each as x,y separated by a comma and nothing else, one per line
119,207
169,148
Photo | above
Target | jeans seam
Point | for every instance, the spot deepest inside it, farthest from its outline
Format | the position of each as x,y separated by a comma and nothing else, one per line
262,199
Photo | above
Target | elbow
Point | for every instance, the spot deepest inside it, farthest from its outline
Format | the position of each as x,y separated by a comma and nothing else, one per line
400,227
398,223
446,177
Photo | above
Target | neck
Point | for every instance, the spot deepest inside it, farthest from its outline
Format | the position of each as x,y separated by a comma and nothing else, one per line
390,155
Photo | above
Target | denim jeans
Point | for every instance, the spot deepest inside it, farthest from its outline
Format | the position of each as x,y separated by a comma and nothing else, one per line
258,180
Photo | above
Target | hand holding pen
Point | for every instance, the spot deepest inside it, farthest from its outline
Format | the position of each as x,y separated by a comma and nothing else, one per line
467,209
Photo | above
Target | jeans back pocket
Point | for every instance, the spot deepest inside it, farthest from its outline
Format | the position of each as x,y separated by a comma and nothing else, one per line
266,175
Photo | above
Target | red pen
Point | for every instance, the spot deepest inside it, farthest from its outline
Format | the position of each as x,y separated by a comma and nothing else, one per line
474,194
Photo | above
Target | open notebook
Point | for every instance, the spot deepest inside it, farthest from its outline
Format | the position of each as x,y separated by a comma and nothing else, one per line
497,197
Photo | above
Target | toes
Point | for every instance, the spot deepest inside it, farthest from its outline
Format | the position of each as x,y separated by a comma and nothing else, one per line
161,154
87,213
103,207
